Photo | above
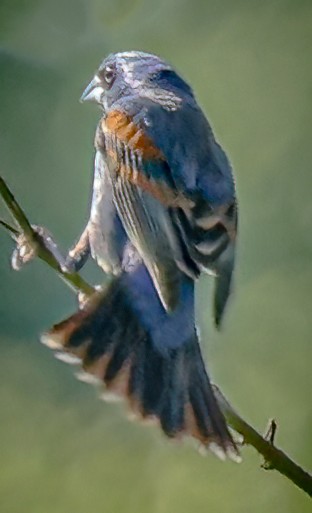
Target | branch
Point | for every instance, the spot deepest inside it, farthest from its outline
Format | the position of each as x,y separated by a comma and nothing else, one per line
274,458
73,280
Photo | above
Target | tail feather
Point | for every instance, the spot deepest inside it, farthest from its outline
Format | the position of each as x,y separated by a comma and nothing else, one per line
117,347
149,366
137,372
173,395
204,403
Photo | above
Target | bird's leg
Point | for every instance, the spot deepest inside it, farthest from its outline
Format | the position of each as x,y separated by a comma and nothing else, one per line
79,254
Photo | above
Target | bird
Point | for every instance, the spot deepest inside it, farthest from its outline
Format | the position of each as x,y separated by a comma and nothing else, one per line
163,212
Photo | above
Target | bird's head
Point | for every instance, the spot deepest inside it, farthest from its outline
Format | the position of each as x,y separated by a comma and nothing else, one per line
132,73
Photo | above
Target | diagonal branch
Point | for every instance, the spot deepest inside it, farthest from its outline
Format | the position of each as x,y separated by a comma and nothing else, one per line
73,280
274,458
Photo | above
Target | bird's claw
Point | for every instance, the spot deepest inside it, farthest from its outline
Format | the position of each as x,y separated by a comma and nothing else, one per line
68,266
24,252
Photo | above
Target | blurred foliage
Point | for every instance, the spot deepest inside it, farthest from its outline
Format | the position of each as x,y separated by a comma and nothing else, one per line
249,62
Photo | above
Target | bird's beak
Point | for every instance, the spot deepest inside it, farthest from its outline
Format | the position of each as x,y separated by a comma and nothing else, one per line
93,92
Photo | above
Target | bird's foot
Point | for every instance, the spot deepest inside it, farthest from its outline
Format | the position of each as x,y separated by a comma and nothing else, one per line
26,250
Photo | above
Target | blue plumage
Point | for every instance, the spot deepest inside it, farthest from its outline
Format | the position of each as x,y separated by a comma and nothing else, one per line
163,211
166,331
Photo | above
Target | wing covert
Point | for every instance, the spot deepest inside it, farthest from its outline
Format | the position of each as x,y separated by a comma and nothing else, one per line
143,203
179,218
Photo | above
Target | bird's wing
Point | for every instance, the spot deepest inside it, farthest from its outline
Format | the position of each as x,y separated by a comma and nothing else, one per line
173,194
199,169
144,196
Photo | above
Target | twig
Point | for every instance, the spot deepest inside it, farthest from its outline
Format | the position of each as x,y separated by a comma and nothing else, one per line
73,280
16,211
274,458
14,232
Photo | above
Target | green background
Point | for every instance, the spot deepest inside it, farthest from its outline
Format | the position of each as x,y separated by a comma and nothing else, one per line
63,450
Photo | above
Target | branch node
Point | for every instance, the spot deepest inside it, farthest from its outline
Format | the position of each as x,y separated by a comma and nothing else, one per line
269,436
271,431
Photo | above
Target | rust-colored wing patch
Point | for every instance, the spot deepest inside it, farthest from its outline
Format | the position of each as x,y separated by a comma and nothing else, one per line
138,148
160,191
122,126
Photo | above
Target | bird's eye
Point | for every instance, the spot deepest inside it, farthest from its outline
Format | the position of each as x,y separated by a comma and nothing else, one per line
108,75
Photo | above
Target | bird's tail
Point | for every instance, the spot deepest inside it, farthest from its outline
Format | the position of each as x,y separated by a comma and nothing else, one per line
125,340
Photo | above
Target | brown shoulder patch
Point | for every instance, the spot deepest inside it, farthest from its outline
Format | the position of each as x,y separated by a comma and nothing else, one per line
122,126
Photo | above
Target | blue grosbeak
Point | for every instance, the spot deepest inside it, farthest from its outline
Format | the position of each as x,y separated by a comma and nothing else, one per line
163,211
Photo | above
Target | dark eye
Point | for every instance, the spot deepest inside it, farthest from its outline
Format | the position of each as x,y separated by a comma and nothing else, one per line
108,75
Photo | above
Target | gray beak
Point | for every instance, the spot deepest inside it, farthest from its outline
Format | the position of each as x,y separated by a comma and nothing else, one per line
93,92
